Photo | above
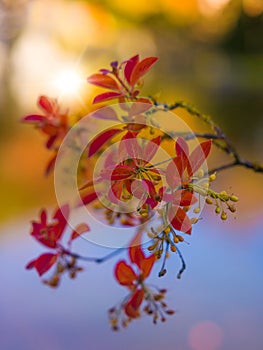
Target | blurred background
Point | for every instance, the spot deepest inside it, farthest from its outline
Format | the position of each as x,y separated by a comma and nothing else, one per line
211,55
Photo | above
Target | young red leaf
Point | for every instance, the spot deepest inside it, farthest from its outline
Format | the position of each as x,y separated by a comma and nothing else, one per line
106,96
198,156
104,81
101,139
33,118
179,220
181,148
151,148
124,274
88,198
128,69
185,198
43,263
105,113
174,172
134,303
141,69
51,165
146,265
46,104
121,172
79,230
129,146
115,192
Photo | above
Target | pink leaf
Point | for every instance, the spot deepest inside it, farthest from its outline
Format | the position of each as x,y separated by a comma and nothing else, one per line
101,139
141,69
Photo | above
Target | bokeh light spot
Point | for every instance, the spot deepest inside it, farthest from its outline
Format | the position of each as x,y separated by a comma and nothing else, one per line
205,335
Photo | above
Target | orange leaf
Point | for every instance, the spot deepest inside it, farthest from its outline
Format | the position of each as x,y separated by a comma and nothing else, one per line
103,81
124,274
134,303
79,230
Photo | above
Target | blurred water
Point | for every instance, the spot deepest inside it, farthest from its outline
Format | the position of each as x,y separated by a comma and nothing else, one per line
223,284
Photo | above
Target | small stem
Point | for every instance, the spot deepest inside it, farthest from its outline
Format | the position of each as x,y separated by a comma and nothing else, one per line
92,259
179,275
163,270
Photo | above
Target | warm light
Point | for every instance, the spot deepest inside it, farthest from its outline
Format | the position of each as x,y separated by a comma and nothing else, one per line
209,7
68,82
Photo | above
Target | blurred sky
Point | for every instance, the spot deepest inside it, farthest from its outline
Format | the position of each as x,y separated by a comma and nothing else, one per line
211,54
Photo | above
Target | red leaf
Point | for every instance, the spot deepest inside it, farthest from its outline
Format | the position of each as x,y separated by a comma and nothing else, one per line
186,198
174,172
141,69
198,156
134,303
51,140
104,81
101,139
146,265
50,165
33,118
79,230
43,263
121,172
46,103
179,220
106,96
62,215
124,274
131,63
151,148
105,113
181,147
115,192
88,198
131,146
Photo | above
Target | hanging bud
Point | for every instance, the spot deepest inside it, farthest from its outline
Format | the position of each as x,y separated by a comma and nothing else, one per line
223,216
197,210
209,201
234,198
212,177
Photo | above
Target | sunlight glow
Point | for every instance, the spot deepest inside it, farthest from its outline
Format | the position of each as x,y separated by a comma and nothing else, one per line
68,82
210,7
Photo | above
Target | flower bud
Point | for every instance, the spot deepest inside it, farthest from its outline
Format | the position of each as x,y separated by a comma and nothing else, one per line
234,198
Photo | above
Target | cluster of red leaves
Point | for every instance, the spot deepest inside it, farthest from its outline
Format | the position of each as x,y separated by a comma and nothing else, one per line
123,80
179,174
50,235
53,122
132,275
129,172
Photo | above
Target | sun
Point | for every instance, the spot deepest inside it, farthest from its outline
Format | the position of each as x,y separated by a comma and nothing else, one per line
68,82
